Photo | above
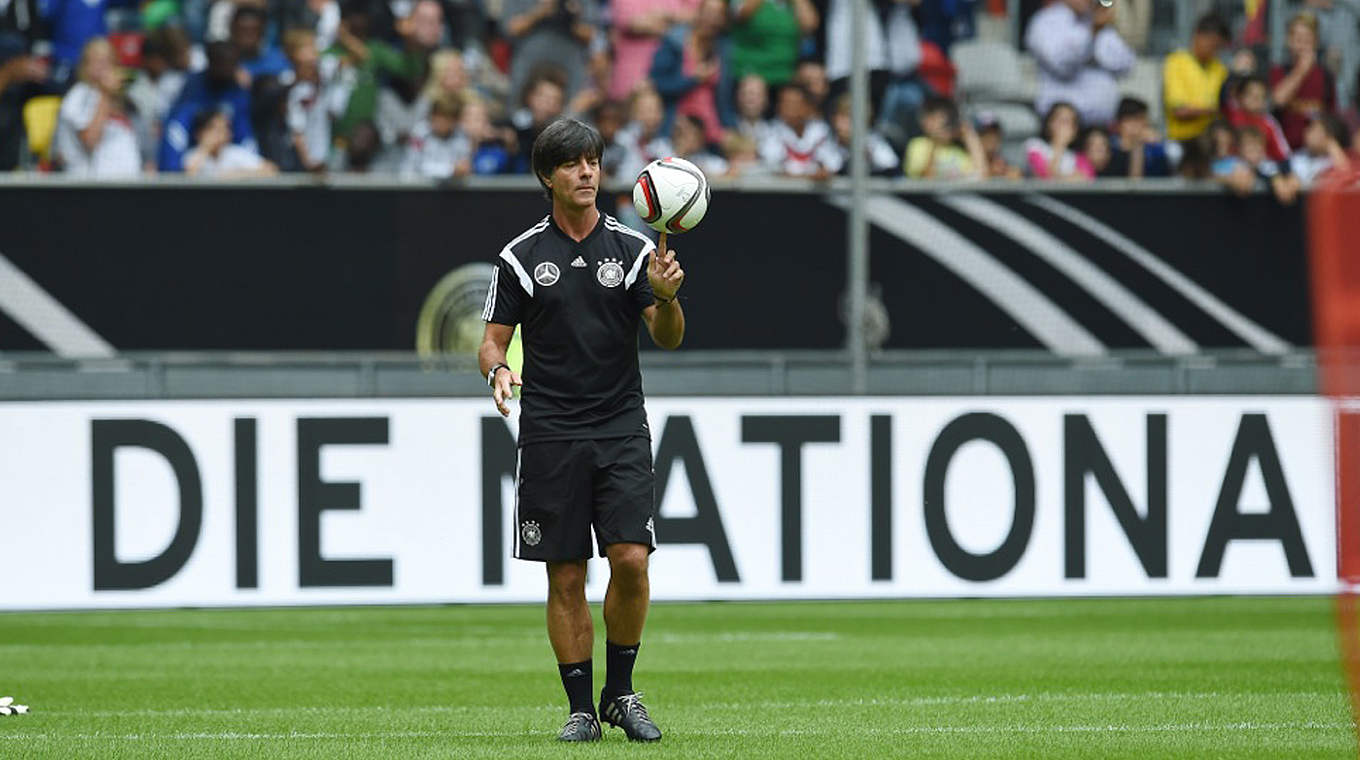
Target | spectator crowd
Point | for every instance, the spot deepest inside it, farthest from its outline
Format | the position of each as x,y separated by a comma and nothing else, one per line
438,89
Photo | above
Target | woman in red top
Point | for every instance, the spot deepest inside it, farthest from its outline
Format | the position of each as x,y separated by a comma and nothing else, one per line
1303,89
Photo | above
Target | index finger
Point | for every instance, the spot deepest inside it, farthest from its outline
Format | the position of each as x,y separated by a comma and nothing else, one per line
661,246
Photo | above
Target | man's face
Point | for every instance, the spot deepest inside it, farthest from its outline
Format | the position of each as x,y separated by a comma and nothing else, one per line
575,183
1252,148
305,58
427,24
246,34
812,75
222,61
1205,45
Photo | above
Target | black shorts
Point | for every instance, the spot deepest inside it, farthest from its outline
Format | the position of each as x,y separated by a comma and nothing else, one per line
563,488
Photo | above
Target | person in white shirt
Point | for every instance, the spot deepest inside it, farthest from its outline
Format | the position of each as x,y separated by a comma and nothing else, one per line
437,149
1324,149
882,158
306,113
641,139
214,156
799,143
1080,55
753,96
165,66
95,136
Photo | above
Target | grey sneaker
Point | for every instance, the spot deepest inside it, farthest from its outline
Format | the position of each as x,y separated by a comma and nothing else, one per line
580,727
627,712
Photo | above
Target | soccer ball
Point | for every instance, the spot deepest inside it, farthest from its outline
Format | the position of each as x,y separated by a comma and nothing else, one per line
671,195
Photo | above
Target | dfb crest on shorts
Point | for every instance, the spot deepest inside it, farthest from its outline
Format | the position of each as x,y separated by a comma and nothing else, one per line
530,533
610,273
546,273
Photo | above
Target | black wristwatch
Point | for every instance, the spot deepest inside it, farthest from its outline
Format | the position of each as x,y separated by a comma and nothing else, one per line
491,376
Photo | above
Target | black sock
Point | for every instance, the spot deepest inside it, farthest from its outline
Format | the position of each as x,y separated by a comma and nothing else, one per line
578,680
618,674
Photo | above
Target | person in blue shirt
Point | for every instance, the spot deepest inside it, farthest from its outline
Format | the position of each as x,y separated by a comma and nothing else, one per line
216,88
1132,136
73,23
247,35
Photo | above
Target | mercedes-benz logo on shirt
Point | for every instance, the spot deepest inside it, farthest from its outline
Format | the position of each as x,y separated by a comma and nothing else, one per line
546,273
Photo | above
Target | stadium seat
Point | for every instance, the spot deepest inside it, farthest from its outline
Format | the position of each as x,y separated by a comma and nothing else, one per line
1144,81
988,71
40,124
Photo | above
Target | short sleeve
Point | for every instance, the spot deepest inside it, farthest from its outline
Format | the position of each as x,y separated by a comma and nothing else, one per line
639,287
506,297
918,155
79,106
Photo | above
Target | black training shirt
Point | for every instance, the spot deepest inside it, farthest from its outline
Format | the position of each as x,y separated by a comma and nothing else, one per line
578,306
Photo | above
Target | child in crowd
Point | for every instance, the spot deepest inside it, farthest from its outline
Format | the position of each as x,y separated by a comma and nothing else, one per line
436,149
491,149
1324,149
946,149
642,141
1136,150
743,156
96,135
991,136
1252,168
1094,144
753,97
306,114
1250,107
1050,155
800,143
609,118
882,158
215,156
687,138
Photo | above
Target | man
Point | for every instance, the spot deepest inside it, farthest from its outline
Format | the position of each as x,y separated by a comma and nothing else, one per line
1080,54
578,283
214,88
1192,80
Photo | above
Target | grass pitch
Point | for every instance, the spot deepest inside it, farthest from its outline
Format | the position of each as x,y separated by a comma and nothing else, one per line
1145,678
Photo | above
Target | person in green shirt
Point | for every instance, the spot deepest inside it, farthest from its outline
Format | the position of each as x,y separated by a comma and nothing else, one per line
366,64
765,36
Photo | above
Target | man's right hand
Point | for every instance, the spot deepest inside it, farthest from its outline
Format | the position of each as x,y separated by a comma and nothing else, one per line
501,392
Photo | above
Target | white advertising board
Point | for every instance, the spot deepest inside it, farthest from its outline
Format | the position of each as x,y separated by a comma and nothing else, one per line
189,503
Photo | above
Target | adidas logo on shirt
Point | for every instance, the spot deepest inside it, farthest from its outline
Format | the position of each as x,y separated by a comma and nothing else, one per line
578,262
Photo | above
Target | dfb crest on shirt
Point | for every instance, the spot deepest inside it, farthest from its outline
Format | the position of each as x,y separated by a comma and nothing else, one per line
530,533
610,273
546,273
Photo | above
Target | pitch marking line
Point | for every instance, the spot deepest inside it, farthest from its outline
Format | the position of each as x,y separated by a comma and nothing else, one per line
976,699
915,730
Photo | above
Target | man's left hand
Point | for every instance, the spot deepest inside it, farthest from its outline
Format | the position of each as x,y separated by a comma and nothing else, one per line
664,272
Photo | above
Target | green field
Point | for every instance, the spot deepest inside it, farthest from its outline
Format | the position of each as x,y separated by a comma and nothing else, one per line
1186,678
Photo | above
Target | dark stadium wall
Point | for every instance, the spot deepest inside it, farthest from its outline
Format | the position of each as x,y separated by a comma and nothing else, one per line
325,268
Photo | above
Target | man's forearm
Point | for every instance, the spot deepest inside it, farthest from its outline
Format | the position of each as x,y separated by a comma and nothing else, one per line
668,328
489,355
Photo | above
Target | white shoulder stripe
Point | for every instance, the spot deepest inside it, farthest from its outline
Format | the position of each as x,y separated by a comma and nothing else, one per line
491,296
508,254
648,246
